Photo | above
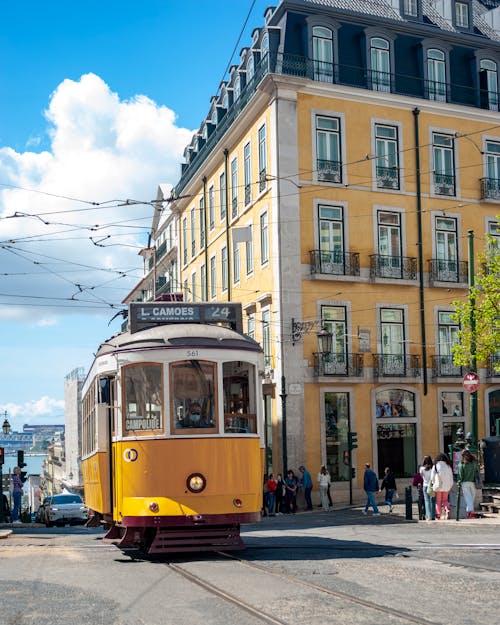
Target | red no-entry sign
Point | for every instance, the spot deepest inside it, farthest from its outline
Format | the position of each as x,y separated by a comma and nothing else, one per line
471,381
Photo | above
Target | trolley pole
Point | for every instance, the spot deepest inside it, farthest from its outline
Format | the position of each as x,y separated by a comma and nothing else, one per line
283,424
472,320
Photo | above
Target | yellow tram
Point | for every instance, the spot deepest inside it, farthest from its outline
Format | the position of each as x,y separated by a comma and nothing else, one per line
173,437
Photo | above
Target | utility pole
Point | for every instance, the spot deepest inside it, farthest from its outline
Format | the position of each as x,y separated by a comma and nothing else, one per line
472,319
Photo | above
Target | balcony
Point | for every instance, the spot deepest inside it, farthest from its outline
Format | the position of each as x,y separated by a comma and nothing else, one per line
248,194
162,286
447,271
347,365
334,263
396,267
234,207
444,184
329,171
262,179
396,366
490,189
493,366
443,367
388,178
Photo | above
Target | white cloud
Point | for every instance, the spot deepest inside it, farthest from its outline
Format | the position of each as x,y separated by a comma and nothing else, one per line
102,148
35,411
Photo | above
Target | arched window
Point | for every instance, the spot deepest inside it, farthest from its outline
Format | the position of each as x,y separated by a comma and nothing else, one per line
488,84
380,64
322,53
237,88
250,68
436,75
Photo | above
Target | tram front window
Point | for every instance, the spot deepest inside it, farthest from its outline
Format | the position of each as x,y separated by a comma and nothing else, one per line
193,397
239,398
142,397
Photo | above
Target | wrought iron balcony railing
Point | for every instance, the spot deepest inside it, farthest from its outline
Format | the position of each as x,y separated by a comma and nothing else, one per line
397,267
349,365
329,171
490,189
444,184
334,263
396,365
443,367
387,177
447,271
262,179
493,366
234,207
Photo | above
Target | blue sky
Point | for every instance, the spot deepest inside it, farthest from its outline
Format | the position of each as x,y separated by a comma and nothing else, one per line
97,101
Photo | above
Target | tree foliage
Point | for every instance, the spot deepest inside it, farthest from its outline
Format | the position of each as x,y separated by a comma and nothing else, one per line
479,315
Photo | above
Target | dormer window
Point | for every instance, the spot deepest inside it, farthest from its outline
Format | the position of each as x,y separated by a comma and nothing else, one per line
436,75
462,14
250,69
323,53
488,84
237,88
410,8
380,64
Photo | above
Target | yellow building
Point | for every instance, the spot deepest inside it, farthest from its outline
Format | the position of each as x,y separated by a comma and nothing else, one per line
331,189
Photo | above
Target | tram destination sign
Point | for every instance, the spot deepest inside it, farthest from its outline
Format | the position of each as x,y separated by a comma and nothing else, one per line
144,315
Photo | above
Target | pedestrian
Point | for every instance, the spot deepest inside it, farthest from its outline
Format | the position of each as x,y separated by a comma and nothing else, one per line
307,484
442,483
324,485
429,497
279,494
17,494
264,497
271,494
370,484
418,483
467,471
291,485
389,485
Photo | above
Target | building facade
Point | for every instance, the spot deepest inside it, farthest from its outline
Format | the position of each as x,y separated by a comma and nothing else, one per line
334,188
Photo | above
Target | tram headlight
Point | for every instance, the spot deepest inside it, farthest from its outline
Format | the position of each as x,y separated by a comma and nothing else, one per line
196,482
154,507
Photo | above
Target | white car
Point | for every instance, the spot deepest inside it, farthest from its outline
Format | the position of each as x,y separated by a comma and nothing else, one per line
63,509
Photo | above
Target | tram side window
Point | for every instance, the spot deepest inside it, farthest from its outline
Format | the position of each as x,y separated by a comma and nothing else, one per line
193,395
239,398
142,397
88,421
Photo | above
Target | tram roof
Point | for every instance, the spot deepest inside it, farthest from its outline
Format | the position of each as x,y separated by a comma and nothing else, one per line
179,335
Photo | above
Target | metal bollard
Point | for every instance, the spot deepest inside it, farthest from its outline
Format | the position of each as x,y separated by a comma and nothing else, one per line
408,503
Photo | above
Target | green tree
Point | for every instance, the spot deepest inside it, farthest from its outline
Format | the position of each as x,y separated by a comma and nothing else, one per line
479,315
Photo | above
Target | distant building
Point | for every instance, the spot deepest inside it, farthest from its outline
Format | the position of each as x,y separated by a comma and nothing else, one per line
73,382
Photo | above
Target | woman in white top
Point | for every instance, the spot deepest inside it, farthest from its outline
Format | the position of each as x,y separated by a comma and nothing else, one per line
324,483
442,483
430,502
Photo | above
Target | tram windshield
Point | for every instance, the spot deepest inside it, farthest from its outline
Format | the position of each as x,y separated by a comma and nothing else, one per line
193,391
239,398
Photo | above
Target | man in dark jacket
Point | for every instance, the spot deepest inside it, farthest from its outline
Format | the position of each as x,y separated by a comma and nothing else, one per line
370,484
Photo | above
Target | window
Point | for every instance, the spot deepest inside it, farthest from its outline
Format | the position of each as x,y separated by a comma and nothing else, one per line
389,244
444,164
452,417
328,165
446,249
203,282
249,253
334,320
251,325
224,269
193,397
436,75
213,278
322,53
488,84
193,286
380,64
250,68
493,163
331,238
262,158
237,88
184,240
462,14
337,427
203,218
185,290
234,188
142,397
211,208
266,337
193,231
410,8
247,173
494,237
447,337
238,380
236,262
392,361
387,156
222,196
264,243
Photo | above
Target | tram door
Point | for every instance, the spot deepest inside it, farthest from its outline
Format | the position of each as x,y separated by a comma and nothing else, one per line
105,428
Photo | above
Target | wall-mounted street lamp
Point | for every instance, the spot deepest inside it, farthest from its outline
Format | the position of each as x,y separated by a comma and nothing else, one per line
325,341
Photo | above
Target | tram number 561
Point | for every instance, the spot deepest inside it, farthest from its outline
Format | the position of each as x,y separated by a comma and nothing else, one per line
192,353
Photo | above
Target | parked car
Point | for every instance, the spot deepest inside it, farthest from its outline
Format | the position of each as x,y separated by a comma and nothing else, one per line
63,509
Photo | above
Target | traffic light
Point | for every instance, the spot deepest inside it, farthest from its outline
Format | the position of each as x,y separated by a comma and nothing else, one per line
352,438
353,472
20,459
2,455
